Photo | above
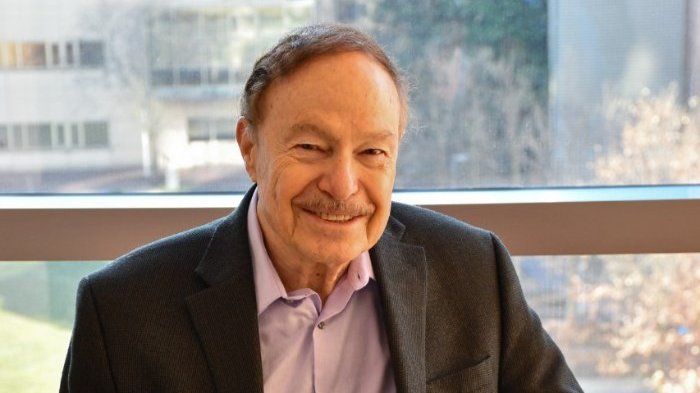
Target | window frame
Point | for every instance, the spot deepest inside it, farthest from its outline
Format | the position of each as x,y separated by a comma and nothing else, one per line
546,221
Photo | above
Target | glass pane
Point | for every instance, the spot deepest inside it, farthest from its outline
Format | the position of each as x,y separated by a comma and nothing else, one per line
37,306
70,56
91,54
226,129
38,136
625,323
198,129
4,138
96,134
33,55
8,55
505,94
55,55
60,136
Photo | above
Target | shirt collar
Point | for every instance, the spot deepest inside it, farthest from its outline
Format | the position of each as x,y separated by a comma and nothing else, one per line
268,285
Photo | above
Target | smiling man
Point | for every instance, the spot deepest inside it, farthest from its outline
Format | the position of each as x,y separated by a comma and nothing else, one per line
317,282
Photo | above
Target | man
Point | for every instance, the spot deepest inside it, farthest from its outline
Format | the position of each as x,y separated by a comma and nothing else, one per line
317,282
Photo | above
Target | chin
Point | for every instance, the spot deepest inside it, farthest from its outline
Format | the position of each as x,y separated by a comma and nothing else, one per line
341,256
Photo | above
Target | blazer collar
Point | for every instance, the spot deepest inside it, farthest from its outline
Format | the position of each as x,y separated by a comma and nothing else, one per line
224,314
401,276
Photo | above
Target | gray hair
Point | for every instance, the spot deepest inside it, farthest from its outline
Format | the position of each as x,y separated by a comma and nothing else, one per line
304,44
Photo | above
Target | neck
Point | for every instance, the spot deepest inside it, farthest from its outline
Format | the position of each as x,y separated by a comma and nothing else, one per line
319,277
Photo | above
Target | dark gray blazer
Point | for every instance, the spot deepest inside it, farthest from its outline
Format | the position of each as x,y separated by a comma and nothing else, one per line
179,315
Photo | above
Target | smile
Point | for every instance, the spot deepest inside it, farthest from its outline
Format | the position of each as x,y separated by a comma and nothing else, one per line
334,217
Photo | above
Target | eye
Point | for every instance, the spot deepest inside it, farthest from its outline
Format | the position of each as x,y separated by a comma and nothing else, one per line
307,146
373,152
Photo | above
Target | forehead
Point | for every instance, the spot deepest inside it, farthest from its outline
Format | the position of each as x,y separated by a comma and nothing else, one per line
350,84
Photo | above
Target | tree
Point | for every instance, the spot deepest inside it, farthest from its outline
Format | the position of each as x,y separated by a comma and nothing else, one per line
478,69
643,310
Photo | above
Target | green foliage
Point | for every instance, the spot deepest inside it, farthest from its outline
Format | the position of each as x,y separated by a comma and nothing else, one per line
512,29
31,354
479,80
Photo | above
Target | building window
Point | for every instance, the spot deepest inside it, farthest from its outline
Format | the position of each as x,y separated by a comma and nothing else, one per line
55,55
60,136
54,136
75,135
96,134
38,136
198,130
91,53
190,76
198,48
225,129
69,54
17,136
211,129
4,138
8,55
40,55
33,54
162,77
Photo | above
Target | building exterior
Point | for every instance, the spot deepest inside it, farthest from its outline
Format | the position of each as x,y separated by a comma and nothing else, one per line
148,87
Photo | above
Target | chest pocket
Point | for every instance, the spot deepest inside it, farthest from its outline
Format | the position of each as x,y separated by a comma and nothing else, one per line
473,379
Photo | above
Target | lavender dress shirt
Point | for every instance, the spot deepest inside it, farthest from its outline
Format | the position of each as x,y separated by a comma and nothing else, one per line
340,346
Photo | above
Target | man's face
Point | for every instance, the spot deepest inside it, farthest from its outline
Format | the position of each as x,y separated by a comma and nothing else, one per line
324,158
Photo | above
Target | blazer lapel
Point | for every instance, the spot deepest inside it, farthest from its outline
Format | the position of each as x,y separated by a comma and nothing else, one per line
225,313
401,275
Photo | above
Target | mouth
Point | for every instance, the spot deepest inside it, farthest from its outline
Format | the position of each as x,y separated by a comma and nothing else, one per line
333,217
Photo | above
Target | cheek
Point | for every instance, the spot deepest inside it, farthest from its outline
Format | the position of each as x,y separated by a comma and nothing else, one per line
289,181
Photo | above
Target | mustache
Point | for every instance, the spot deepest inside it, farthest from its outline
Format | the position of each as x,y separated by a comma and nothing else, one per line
320,204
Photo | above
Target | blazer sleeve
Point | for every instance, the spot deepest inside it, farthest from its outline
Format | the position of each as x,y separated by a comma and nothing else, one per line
530,360
87,366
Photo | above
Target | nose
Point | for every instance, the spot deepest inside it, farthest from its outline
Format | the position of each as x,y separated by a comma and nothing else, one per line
340,178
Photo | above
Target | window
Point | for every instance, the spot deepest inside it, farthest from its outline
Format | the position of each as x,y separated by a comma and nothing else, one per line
208,47
60,136
96,134
55,55
624,322
569,128
225,129
33,54
4,137
70,56
8,55
76,140
91,53
38,136
52,136
18,136
210,129
198,130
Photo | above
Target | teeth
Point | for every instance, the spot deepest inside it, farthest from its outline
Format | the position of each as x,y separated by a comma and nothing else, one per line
334,217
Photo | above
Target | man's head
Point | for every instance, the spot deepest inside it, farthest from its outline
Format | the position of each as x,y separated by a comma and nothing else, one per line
321,143
307,43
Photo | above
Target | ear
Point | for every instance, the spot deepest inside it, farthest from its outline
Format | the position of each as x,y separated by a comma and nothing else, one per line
247,145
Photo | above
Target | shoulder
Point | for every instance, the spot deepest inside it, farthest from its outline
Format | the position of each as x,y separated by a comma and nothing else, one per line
455,251
167,260
429,228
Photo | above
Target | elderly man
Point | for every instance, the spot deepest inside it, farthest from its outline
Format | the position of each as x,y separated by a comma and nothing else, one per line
317,282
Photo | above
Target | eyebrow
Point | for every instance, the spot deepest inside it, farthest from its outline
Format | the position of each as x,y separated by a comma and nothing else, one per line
308,128
320,132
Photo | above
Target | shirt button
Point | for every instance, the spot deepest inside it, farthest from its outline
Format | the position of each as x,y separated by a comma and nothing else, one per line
321,325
